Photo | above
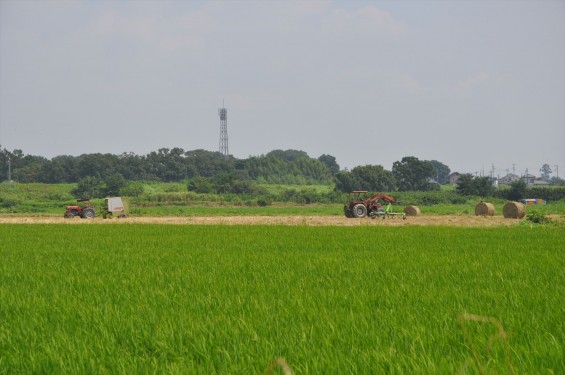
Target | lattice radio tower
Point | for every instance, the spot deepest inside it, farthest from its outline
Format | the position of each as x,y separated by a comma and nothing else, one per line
223,112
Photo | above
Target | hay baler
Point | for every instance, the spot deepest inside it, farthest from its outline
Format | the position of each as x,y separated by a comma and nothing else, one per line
114,206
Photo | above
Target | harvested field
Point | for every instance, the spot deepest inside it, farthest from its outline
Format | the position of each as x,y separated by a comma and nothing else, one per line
425,220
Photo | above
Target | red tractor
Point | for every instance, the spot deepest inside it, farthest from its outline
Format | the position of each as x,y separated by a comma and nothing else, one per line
360,206
85,211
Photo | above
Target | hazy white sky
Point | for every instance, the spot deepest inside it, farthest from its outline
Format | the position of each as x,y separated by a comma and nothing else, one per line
468,83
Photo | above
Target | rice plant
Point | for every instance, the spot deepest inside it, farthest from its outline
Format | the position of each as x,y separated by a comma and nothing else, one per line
79,299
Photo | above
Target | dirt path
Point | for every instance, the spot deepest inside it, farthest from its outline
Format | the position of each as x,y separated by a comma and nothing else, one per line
424,220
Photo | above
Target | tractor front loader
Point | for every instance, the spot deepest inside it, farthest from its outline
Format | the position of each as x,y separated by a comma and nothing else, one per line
359,206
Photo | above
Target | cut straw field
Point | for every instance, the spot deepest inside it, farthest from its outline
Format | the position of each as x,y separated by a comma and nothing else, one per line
146,298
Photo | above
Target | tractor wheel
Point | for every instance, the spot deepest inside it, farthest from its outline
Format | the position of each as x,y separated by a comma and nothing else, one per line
347,212
88,213
69,215
359,210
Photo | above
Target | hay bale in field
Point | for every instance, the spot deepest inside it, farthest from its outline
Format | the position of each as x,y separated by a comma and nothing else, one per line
411,210
513,210
484,209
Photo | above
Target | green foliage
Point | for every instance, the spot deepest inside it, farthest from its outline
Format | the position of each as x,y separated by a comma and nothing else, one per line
479,186
441,171
225,183
262,202
171,165
200,185
330,163
114,184
133,189
537,218
413,174
429,198
89,187
231,299
159,199
519,190
288,167
8,203
366,177
545,171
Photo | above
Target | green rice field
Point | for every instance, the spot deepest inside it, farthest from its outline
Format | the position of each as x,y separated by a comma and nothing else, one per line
187,299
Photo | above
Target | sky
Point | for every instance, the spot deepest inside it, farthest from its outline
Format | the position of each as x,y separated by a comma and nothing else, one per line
476,85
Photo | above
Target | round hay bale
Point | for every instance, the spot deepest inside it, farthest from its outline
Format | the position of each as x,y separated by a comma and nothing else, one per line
484,209
411,210
513,210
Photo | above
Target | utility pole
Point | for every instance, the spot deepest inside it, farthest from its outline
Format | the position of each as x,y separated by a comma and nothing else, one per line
9,170
557,170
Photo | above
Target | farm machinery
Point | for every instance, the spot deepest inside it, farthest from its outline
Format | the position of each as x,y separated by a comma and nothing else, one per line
85,210
112,206
359,205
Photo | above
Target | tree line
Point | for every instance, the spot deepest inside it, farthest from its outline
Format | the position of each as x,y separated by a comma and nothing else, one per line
169,165
99,175
209,171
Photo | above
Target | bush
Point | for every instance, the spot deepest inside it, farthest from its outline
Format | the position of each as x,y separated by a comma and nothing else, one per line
550,194
429,198
133,189
262,202
537,218
8,203
89,187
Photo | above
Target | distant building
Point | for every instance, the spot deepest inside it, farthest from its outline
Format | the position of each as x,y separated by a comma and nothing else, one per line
528,179
453,178
540,182
509,179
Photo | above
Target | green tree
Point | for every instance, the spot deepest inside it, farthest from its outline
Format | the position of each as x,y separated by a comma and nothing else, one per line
114,184
288,155
545,171
470,185
366,177
441,171
200,185
97,165
484,186
557,181
465,185
330,162
517,190
412,174
89,187
133,189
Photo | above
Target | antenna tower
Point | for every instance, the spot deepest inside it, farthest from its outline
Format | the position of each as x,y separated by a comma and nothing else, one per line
223,113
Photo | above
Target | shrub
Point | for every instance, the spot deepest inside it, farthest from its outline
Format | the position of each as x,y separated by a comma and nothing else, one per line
537,218
262,202
133,189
